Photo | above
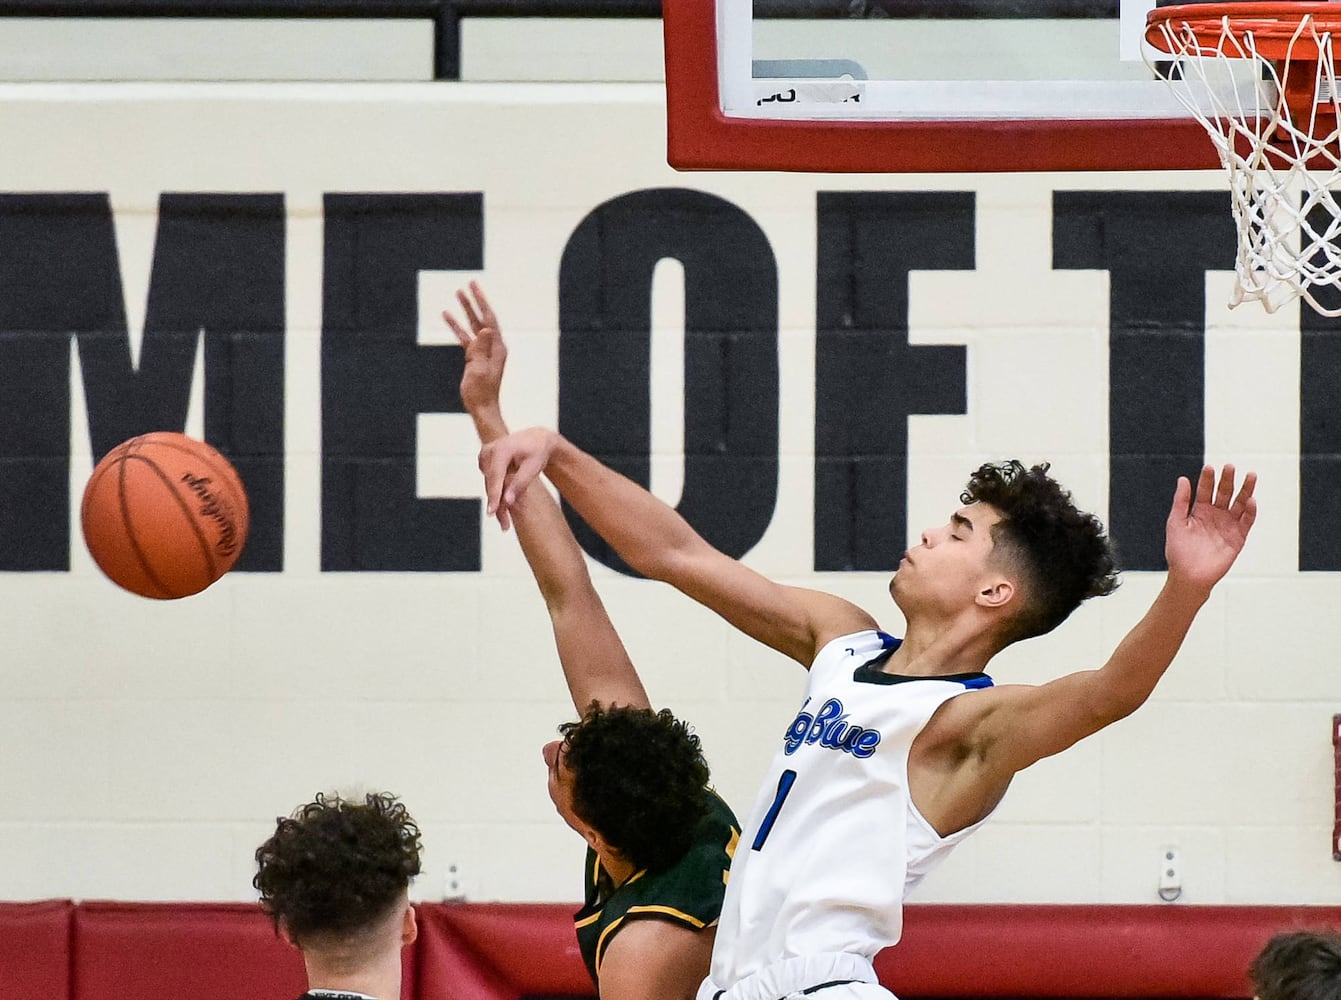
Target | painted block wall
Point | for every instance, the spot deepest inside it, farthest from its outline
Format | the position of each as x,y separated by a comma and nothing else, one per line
148,746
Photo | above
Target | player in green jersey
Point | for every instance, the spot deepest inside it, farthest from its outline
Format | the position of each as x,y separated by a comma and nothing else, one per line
632,781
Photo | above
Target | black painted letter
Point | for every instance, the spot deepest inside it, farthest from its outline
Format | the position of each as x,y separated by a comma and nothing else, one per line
1157,247
730,355
376,380
218,267
868,378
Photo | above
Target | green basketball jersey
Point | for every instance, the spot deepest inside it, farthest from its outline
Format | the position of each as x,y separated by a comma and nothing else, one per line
688,893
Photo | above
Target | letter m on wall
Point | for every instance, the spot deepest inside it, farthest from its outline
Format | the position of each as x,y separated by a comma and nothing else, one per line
217,279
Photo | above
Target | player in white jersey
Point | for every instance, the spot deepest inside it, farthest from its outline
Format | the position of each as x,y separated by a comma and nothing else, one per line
901,749
833,838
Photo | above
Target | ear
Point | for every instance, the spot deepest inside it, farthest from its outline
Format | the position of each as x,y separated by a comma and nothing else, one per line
409,927
284,933
594,840
996,594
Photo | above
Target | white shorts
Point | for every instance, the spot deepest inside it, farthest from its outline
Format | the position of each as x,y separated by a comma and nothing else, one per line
821,977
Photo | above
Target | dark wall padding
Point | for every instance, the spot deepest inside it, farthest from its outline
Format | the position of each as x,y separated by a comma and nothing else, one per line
57,950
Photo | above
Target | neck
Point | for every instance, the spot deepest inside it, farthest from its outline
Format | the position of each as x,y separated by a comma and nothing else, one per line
379,978
619,870
934,649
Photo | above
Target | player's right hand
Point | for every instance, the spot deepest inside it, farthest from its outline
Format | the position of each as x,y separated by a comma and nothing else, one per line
511,464
486,354
1205,532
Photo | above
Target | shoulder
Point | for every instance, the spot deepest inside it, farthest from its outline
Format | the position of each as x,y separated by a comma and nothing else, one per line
654,958
719,815
853,647
690,892
961,720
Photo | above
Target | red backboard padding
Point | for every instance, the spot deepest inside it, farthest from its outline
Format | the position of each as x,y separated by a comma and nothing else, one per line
700,137
1086,951
35,949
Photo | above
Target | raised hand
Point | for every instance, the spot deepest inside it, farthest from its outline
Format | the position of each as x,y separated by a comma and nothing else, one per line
511,464
1205,533
486,354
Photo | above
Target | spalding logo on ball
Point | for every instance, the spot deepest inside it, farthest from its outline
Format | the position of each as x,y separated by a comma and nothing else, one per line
164,515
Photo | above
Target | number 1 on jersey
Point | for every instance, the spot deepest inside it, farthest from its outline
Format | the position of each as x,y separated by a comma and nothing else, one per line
784,788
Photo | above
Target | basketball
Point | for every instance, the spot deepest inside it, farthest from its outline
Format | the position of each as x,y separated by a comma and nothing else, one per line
164,515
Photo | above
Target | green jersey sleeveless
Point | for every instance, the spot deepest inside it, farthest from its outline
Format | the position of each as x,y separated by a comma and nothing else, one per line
688,893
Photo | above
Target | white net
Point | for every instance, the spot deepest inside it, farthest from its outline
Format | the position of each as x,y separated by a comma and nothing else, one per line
1281,160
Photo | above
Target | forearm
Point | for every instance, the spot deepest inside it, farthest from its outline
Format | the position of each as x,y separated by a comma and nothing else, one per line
647,533
555,558
553,554
489,423
1141,659
595,664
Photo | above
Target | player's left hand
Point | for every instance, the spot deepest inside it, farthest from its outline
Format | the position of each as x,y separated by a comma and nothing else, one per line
1205,533
510,465
486,354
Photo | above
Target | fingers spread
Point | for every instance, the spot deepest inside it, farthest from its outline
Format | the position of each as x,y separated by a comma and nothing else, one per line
1249,513
1205,484
462,337
468,308
1249,484
1225,491
486,311
1245,499
1182,499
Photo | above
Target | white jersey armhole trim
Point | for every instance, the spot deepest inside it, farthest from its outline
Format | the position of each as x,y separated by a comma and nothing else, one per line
949,838
839,639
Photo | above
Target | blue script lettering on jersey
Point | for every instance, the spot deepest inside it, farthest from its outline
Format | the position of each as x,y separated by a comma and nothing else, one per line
830,729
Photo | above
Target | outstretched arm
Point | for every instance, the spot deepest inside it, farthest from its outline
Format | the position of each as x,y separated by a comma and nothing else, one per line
594,660
1203,536
656,541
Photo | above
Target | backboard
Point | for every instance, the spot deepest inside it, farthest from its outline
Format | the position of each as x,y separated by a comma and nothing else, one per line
909,86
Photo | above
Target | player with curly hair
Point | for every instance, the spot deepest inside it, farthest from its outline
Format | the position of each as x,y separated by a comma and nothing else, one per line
630,780
903,747
334,877
1298,965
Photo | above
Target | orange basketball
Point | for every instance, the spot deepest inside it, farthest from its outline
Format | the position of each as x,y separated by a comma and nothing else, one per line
164,515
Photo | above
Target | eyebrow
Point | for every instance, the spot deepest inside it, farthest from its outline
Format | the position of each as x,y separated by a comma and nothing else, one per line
960,521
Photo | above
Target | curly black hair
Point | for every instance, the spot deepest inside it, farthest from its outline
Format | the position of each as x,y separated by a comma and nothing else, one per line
337,867
1063,553
1299,965
639,778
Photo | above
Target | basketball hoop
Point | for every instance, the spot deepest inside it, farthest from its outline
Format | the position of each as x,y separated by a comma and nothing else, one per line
1283,150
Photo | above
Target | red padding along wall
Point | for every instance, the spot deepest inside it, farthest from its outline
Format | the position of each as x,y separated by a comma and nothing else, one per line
58,950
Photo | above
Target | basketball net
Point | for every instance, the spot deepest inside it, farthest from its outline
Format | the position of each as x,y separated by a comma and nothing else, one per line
1281,152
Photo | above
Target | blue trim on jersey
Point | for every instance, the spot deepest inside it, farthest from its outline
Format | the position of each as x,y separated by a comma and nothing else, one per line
871,671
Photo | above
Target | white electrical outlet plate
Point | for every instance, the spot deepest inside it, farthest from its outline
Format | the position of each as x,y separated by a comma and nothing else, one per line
1170,873
454,885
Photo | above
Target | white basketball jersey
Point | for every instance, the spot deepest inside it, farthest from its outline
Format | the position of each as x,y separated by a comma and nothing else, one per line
833,841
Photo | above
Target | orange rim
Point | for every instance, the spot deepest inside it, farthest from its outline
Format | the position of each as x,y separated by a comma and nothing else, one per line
1271,25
